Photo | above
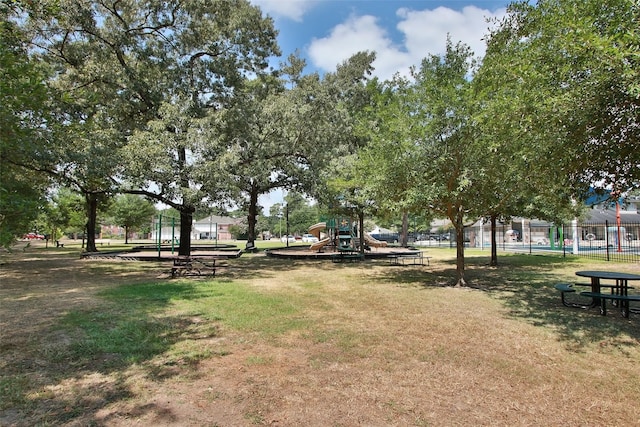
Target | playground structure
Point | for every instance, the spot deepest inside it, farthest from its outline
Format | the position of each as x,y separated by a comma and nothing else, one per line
340,242
375,243
341,236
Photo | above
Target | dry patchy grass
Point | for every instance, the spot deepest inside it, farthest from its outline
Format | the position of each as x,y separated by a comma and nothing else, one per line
310,343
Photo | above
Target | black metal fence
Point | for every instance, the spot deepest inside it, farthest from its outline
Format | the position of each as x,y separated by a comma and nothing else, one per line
607,241
604,241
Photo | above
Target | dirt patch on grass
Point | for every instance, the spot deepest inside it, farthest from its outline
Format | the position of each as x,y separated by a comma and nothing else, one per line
372,345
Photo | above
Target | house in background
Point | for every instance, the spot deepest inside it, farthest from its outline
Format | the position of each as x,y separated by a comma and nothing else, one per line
214,228
210,228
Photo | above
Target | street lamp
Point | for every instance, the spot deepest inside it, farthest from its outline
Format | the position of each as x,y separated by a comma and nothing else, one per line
286,212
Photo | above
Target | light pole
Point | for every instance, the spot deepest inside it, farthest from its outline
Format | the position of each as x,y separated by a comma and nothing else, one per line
286,212
618,224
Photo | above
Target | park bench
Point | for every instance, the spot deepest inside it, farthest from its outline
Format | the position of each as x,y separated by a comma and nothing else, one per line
568,288
59,244
602,285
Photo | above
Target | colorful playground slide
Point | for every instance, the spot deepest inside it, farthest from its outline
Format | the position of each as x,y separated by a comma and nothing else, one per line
320,244
374,242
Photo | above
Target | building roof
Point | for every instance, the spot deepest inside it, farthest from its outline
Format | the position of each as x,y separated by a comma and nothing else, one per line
603,215
216,219
592,216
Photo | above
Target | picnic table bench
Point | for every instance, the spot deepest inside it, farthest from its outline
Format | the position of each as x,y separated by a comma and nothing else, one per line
195,266
347,256
618,294
568,288
603,297
411,258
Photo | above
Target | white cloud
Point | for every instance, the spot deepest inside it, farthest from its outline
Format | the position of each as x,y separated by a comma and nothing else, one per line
429,28
292,9
357,34
425,32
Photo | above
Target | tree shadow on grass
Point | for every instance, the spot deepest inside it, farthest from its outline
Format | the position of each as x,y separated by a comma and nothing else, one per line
523,283
77,366
525,286
265,267
531,296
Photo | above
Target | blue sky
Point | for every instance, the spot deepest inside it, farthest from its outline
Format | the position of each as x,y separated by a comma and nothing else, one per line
401,32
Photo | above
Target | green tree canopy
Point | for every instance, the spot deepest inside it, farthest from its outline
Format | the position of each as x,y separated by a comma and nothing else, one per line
574,67
425,156
138,74
282,131
23,117
66,212
131,212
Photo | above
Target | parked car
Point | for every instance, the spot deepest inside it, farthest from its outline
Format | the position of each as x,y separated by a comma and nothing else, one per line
290,239
309,238
33,236
387,237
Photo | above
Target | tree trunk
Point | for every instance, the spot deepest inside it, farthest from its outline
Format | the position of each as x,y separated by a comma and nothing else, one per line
459,226
126,234
186,222
92,215
361,230
494,244
405,230
187,210
252,219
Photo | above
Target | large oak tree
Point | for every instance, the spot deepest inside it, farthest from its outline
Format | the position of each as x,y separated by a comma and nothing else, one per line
282,130
141,71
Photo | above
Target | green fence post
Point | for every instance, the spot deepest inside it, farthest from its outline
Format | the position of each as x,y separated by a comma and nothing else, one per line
173,234
561,239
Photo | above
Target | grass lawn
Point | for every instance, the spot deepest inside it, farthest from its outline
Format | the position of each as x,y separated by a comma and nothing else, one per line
289,343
